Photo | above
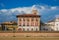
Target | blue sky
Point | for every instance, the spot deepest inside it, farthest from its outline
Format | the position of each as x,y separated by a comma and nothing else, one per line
48,9
21,3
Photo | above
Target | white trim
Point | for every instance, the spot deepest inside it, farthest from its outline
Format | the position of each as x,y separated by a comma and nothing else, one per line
30,28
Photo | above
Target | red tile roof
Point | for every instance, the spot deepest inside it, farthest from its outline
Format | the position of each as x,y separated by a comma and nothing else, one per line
28,15
51,21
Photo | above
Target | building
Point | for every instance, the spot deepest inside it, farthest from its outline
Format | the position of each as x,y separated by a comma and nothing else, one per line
29,22
8,25
44,27
56,24
52,25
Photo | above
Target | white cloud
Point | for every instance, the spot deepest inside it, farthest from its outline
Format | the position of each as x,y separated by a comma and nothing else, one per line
42,7
4,10
43,10
53,8
19,10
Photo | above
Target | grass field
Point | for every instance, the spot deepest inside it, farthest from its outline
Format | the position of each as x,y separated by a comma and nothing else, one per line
29,38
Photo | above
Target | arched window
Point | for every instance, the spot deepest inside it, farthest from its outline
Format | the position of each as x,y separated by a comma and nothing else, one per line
23,29
27,29
32,29
20,29
36,29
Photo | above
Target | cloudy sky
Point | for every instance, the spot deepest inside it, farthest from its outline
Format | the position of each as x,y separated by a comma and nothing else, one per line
48,9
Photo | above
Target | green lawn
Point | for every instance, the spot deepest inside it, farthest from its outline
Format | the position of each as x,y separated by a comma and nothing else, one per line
29,38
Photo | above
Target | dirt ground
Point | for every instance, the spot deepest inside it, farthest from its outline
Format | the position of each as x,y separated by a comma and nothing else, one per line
30,34
29,38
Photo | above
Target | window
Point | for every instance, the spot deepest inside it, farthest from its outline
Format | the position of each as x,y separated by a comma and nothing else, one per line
36,19
27,19
32,24
45,29
19,25
27,24
32,29
23,19
23,29
27,29
19,19
20,29
57,24
36,24
24,24
35,13
32,19
36,29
